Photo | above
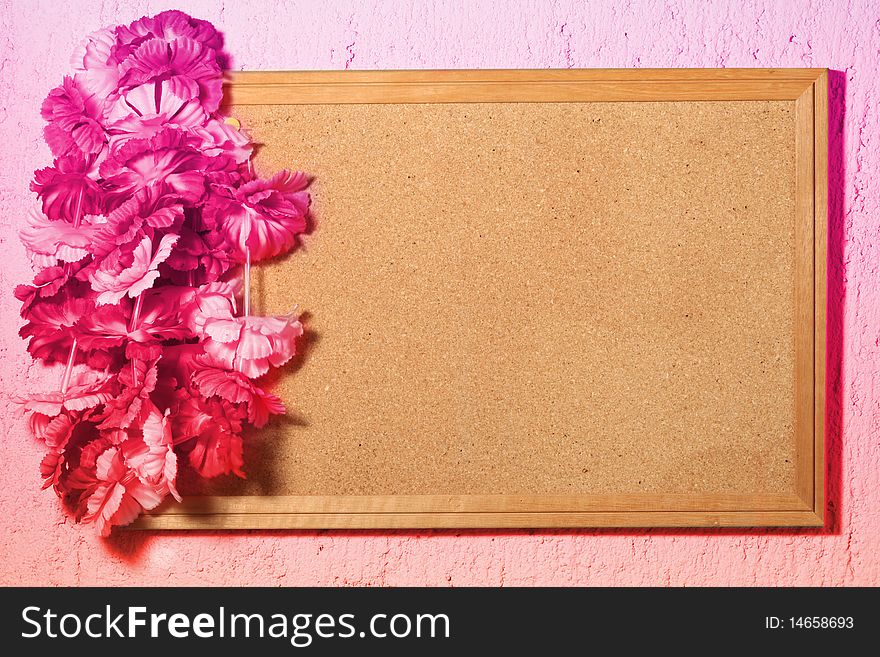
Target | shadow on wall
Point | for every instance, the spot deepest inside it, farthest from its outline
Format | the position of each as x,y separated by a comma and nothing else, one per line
128,544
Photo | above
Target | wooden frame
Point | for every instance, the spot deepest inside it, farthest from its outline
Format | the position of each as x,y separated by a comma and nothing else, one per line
807,88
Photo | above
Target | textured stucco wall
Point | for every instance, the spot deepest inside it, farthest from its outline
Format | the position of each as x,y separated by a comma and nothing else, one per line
39,546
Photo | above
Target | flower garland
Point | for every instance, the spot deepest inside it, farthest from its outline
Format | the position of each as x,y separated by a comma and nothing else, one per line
148,216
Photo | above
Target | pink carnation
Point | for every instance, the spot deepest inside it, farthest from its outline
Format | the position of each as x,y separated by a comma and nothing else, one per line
250,344
209,430
48,242
263,216
124,272
115,494
62,187
74,120
181,71
168,25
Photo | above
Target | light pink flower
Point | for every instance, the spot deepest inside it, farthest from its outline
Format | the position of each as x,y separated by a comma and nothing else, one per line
118,496
250,344
97,69
264,216
206,303
47,242
119,275
152,456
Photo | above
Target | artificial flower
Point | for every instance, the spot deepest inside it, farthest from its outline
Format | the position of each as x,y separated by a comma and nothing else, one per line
209,430
50,326
235,387
67,187
129,273
251,344
263,217
117,495
73,117
49,242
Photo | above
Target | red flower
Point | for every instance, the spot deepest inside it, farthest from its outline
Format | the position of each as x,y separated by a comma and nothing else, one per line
209,430
237,388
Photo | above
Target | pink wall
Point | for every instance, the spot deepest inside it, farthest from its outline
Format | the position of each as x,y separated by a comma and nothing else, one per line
38,545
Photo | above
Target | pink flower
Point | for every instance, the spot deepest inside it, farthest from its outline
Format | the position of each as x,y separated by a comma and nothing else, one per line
97,69
117,495
251,344
209,430
168,25
123,273
207,303
169,161
62,185
237,388
74,118
126,223
150,200
50,327
48,242
108,326
264,216
132,405
47,283
152,456
84,395
201,255
174,72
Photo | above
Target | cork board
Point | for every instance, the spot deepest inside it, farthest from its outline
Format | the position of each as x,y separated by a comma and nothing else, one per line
559,298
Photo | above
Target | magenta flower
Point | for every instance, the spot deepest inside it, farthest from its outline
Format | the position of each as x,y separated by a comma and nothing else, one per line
169,26
168,163
73,117
65,186
174,72
263,216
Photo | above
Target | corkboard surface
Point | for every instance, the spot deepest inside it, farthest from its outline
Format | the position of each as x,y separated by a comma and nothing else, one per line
534,298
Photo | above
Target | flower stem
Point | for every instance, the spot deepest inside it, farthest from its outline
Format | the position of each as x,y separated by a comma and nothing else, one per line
132,322
247,282
65,380
71,357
